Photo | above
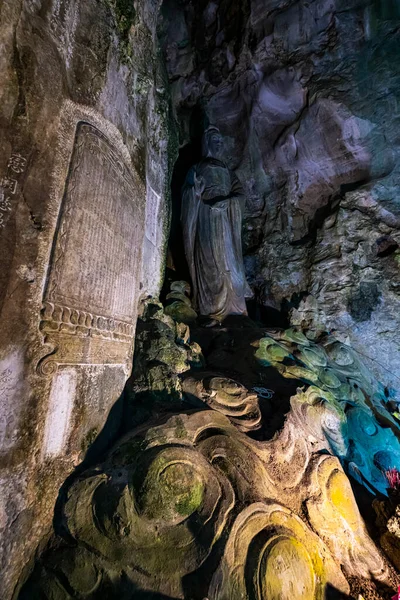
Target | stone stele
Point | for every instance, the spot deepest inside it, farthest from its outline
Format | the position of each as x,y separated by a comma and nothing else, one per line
74,184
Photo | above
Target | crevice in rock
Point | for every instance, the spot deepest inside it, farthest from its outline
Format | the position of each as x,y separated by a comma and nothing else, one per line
386,246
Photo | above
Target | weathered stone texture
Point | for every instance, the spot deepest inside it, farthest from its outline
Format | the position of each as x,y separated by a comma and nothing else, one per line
306,95
84,119
205,496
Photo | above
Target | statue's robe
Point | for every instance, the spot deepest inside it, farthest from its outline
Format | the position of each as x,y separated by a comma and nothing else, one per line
212,240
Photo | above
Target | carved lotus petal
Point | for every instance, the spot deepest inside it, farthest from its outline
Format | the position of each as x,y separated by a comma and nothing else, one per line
229,398
378,446
229,386
298,372
318,413
341,354
356,394
66,570
328,378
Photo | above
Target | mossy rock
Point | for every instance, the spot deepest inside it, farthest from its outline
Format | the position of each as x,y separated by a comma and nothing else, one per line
161,380
177,492
341,355
298,337
182,333
269,352
313,357
196,358
173,356
124,15
180,297
329,379
180,286
182,313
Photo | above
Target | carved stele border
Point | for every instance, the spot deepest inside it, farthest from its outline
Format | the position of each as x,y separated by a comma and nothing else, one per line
90,297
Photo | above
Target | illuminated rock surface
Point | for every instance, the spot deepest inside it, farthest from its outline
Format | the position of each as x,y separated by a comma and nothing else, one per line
222,468
195,503
304,94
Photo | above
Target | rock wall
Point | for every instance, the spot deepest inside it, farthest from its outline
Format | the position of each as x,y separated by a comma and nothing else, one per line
84,173
306,96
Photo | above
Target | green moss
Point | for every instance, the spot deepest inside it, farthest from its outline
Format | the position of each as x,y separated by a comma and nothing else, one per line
180,430
128,452
124,15
89,438
191,501
181,313
169,488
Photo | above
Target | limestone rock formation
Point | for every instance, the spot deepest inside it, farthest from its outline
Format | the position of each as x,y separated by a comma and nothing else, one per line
238,461
179,305
305,96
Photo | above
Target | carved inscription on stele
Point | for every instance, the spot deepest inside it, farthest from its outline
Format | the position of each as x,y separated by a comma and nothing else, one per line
90,296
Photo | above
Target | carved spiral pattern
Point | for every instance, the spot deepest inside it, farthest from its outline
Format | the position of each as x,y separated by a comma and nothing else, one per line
227,397
348,388
333,508
161,506
166,507
46,365
271,554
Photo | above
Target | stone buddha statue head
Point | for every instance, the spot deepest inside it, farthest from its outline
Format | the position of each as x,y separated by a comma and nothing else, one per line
212,142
